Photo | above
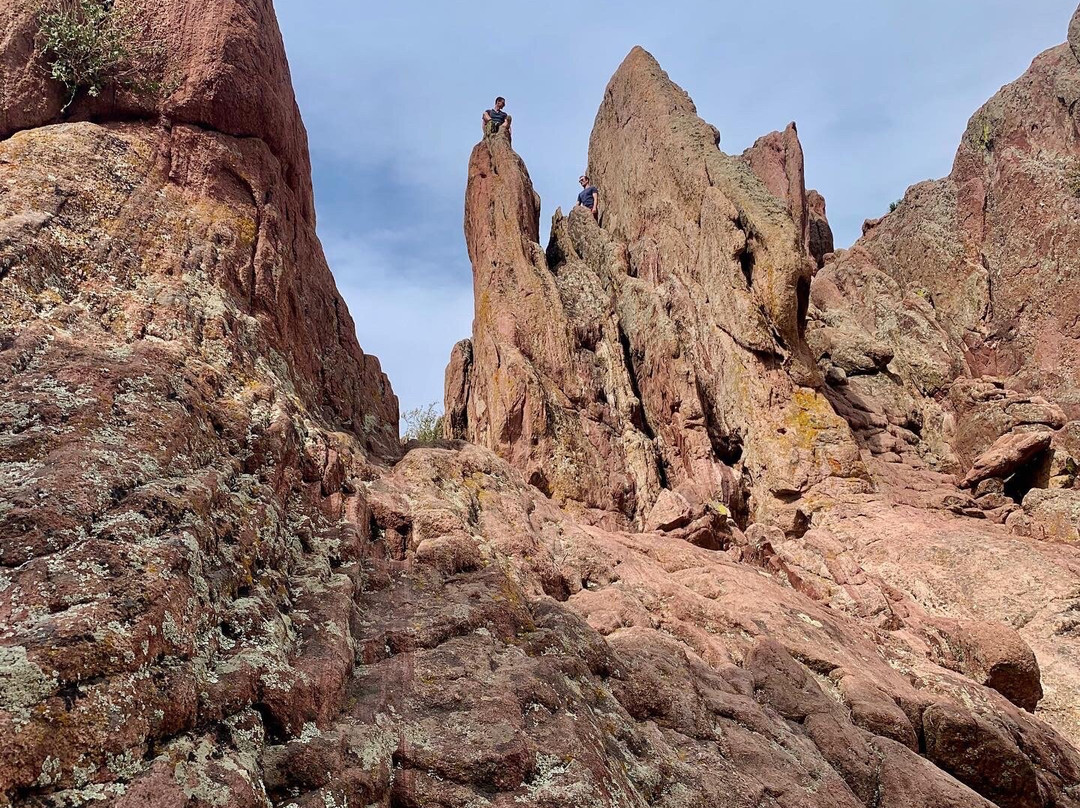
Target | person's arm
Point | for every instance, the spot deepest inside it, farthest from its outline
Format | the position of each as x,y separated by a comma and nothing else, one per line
596,203
506,123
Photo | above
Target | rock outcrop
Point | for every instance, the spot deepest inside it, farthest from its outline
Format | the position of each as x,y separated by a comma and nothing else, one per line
682,562
991,250
544,385
917,416
182,394
666,349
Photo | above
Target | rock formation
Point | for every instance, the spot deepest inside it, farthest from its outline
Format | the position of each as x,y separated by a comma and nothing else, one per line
671,340
915,410
174,442
708,545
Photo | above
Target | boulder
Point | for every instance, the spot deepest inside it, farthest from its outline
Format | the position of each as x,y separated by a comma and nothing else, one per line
990,653
980,755
1009,453
1051,515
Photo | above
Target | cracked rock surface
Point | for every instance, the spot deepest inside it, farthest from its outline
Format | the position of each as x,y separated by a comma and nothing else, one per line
695,537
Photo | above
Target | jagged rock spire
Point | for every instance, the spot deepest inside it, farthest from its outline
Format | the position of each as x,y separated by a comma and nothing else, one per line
665,348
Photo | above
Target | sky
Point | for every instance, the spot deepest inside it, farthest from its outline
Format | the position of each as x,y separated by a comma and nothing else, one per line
392,94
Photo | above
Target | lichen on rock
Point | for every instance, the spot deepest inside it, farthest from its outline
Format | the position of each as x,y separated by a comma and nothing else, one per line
695,535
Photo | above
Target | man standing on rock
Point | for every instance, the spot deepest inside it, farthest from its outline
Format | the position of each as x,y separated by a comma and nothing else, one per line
495,120
589,197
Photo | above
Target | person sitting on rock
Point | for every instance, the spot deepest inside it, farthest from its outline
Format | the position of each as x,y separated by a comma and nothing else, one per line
495,120
589,197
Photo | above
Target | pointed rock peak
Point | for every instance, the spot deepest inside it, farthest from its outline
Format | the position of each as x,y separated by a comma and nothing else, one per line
502,210
777,160
639,59
642,86
664,181
820,234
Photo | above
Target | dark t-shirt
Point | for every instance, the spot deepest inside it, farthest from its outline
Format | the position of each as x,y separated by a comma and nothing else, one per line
588,197
497,115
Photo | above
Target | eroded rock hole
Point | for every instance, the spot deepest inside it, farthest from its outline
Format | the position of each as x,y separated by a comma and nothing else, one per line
556,586
402,535
1035,474
802,294
800,525
540,481
746,263
726,445
276,732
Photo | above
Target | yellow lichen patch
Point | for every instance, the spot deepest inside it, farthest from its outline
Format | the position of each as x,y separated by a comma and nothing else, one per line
246,230
808,415
49,297
483,310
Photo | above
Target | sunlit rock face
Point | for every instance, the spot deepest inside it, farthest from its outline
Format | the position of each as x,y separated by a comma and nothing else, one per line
696,537
663,349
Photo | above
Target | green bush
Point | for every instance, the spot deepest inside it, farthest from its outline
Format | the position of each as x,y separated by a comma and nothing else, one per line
894,205
90,45
424,424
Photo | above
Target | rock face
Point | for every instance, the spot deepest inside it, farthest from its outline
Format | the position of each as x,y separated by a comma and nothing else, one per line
821,235
222,583
545,376
993,247
173,444
223,68
665,349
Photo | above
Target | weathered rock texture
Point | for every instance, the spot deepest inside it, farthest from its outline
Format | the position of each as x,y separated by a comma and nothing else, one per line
992,249
697,269
666,349
947,338
544,383
222,585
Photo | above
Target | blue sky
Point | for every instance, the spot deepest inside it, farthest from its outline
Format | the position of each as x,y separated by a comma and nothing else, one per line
392,94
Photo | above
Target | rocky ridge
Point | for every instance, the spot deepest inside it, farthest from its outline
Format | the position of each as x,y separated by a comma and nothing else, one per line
684,561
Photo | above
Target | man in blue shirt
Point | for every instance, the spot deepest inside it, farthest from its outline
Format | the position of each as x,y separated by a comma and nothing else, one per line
589,197
495,120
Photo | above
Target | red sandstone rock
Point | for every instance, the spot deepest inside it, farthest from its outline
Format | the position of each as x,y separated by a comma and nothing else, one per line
456,405
1009,453
665,348
547,387
1050,516
213,591
777,160
224,69
994,244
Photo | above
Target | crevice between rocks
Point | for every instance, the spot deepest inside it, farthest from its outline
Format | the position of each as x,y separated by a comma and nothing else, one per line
639,416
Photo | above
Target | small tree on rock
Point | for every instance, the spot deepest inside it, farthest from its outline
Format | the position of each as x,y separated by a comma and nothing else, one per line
90,45
423,424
